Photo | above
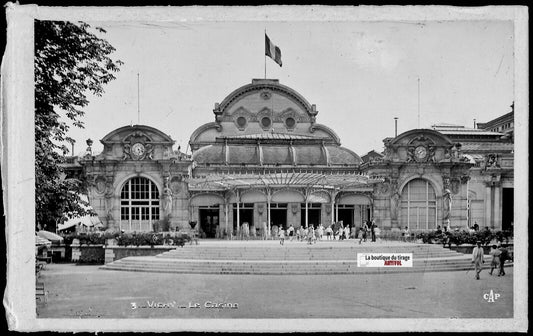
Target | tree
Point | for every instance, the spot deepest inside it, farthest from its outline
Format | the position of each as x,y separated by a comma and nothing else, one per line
71,61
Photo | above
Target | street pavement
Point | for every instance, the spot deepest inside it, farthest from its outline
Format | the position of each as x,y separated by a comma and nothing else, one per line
89,292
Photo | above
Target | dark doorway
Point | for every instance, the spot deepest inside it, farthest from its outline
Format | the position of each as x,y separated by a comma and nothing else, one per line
346,216
246,214
314,217
507,208
209,222
279,217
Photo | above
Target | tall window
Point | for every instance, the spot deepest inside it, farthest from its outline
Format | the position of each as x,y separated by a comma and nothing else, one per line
419,205
139,205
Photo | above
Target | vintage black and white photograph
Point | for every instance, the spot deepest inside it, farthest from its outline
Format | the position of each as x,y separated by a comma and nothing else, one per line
267,169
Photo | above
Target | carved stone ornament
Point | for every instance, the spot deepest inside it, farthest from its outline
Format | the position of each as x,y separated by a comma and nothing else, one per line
100,184
431,154
411,154
167,197
265,94
136,146
175,183
455,185
109,187
464,178
382,188
294,208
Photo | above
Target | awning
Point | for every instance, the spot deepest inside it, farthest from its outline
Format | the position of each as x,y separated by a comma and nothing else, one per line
40,241
474,158
49,236
282,179
84,220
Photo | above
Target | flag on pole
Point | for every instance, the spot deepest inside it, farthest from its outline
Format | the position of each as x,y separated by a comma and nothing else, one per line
272,51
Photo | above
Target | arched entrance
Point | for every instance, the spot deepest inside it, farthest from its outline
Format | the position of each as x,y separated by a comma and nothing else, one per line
418,205
139,204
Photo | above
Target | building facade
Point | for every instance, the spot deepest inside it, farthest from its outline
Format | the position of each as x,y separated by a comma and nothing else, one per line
265,162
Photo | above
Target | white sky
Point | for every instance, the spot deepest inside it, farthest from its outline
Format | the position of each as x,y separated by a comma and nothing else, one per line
360,75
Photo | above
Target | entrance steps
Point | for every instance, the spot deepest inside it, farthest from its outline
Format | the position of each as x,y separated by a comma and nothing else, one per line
269,257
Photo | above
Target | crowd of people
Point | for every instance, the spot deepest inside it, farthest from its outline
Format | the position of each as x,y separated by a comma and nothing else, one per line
335,231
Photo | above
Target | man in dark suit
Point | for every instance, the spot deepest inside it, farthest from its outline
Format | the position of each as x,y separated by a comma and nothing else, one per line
373,229
503,257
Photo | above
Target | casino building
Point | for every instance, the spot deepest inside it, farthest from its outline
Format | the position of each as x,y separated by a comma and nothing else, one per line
265,161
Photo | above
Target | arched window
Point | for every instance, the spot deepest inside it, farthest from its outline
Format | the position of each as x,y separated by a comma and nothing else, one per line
419,205
139,205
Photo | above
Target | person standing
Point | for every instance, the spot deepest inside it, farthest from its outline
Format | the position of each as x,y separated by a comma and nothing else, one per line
265,231
405,233
290,230
246,230
320,231
310,234
329,233
361,234
365,230
347,232
377,231
495,263
504,255
281,235
477,258
373,230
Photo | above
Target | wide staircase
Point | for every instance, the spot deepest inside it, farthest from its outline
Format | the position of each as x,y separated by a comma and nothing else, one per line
269,257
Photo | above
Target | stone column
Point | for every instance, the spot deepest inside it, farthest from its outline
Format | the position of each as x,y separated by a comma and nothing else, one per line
497,219
226,208
238,216
306,214
269,198
488,207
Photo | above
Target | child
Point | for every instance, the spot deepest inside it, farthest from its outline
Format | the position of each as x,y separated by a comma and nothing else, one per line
281,234
495,253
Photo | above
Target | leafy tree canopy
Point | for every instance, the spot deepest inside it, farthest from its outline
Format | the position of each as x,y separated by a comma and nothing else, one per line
71,61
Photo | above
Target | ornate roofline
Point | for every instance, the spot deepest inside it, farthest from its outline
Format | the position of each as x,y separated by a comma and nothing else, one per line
134,128
262,84
326,129
197,132
396,140
352,152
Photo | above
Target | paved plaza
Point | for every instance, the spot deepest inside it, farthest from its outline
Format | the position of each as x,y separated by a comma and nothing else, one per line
90,292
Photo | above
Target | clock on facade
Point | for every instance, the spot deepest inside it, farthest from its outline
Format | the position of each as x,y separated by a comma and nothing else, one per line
421,152
138,149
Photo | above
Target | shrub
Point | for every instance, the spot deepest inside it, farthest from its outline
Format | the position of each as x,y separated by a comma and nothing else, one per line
90,255
429,237
90,238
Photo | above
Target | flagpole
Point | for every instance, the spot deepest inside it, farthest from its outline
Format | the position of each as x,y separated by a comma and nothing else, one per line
265,57
418,102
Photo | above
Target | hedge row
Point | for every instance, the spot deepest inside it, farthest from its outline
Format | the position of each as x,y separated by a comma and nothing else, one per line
129,239
464,237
